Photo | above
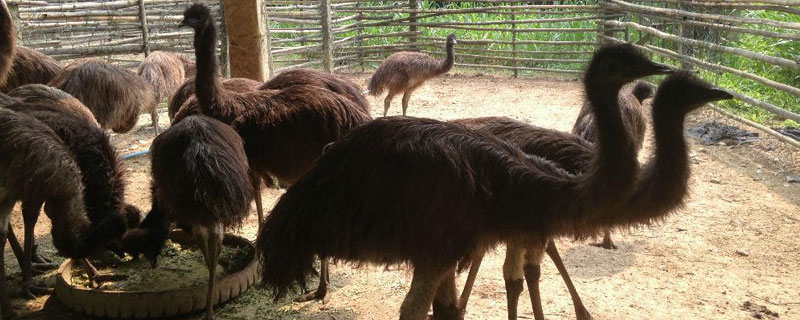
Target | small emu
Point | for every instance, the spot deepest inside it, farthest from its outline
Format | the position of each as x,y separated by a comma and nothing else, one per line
36,168
201,179
164,72
633,114
406,71
115,95
20,65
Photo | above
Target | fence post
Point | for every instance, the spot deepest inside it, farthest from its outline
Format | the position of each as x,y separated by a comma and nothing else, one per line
682,32
412,20
514,43
327,37
360,40
145,32
268,43
244,23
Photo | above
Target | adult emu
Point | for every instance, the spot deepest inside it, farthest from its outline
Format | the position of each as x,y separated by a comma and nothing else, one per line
633,114
186,91
36,168
406,71
201,179
42,94
311,77
101,173
655,195
444,193
20,65
284,131
115,95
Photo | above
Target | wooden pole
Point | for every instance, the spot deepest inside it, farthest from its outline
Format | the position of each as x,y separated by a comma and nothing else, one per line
412,18
268,43
514,44
145,32
224,54
247,48
360,33
327,37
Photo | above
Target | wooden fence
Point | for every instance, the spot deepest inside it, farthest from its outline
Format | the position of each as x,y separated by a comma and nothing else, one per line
530,37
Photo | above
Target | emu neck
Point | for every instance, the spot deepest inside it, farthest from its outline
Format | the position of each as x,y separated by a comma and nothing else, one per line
614,166
207,83
8,43
663,184
448,61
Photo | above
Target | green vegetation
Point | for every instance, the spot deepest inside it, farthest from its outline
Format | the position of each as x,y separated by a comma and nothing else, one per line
573,56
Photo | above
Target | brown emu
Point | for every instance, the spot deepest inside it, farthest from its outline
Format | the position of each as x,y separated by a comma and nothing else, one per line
115,95
406,71
445,192
655,194
36,168
201,179
284,131
311,77
164,71
186,91
101,173
20,65
42,94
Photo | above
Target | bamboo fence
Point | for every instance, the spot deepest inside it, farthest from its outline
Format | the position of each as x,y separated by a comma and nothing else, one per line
523,38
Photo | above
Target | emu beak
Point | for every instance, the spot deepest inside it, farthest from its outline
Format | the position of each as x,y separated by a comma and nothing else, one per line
720,94
662,68
182,24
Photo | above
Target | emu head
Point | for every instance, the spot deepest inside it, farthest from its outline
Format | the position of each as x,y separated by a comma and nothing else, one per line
451,39
618,64
197,17
686,91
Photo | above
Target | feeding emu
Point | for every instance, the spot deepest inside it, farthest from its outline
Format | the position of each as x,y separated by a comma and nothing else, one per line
406,71
201,179
455,192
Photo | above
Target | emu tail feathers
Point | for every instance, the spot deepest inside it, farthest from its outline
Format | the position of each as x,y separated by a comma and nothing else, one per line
285,251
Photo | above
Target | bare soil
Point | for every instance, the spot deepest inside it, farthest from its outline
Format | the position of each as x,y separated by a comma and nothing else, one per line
731,253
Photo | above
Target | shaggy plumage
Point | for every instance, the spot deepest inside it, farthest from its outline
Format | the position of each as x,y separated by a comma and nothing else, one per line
406,71
201,179
115,95
42,94
8,43
311,77
164,72
444,193
185,92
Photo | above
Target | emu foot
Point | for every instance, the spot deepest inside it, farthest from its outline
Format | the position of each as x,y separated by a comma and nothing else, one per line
99,279
605,244
31,291
38,257
320,295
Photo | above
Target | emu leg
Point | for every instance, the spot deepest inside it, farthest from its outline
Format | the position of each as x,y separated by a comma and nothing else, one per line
423,287
407,96
580,310
5,216
513,274
322,289
259,207
30,214
473,273
445,303
388,102
154,119
533,271
607,243
40,263
211,243
96,279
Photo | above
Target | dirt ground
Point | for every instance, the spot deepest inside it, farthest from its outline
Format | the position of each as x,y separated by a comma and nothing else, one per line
732,253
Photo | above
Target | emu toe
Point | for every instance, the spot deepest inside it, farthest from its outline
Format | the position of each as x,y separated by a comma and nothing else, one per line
319,295
607,243
99,279
31,291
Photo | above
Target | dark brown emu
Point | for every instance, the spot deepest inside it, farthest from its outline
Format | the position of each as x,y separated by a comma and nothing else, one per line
186,91
432,194
406,71
633,114
654,195
115,95
20,65
316,78
201,179
101,173
37,168
284,131
164,72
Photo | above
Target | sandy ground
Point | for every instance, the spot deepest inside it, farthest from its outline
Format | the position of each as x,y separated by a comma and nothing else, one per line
731,252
